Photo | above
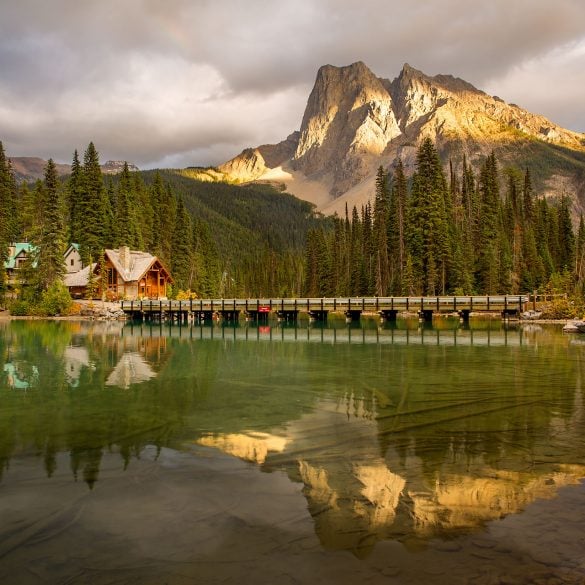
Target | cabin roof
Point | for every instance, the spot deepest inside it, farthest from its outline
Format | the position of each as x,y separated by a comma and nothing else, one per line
72,247
18,249
79,278
140,263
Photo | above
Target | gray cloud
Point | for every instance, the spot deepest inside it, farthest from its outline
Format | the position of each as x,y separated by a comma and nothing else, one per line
194,82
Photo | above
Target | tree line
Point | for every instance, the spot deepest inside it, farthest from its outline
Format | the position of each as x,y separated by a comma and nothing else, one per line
216,239
458,234
99,213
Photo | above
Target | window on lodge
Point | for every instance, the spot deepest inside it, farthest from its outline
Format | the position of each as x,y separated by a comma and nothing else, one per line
112,278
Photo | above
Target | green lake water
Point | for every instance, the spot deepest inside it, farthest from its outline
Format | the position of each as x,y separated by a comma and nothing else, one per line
407,454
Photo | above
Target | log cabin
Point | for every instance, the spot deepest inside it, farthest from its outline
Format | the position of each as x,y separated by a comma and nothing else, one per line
127,274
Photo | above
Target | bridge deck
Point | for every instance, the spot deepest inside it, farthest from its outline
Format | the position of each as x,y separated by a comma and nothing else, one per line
440,304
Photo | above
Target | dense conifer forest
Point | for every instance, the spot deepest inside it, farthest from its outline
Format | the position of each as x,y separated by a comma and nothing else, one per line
465,233
217,239
468,232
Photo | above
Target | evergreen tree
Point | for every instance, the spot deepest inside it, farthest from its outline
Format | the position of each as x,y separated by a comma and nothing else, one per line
580,254
167,214
206,263
397,226
75,197
380,234
8,215
182,247
126,224
488,264
428,228
94,207
566,237
51,244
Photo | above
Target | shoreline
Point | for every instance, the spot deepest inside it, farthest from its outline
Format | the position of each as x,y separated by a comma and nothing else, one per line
6,316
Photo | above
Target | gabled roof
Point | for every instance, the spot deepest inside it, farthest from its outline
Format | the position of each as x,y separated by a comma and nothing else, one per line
140,263
18,249
70,249
79,278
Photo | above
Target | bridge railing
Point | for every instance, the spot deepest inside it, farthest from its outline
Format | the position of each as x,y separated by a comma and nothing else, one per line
438,303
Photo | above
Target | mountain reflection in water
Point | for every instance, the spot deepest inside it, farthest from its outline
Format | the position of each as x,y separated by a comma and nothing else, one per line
405,433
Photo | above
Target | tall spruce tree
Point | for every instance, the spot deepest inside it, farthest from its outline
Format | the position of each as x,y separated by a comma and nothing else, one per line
75,197
397,229
51,243
126,218
9,217
428,227
380,234
182,249
488,271
94,208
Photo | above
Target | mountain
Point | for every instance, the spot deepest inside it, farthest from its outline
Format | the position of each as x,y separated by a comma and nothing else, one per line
31,168
355,121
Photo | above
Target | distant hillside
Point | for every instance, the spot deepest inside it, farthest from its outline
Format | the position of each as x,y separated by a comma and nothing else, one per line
31,168
255,227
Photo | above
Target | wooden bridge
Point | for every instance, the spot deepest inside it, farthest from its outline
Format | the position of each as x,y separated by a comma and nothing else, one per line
318,308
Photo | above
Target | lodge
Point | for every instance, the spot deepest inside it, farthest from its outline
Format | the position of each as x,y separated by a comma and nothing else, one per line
126,274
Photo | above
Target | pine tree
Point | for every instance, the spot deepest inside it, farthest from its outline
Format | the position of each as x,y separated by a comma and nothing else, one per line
380,234
580,254
397,226
51,244
182,246
94,208
75,197
206,264
488,275
126,223
566,237
428,227
8,215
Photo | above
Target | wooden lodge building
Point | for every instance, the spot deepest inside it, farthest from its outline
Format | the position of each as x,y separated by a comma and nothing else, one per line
129,275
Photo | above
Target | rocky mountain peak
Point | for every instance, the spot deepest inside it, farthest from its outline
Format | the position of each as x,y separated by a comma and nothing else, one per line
355,121
348,119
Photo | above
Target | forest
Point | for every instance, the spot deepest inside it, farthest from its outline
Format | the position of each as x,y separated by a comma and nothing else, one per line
216,239
465,233
461,232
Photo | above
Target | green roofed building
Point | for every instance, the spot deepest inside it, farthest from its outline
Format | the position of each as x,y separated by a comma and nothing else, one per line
18,254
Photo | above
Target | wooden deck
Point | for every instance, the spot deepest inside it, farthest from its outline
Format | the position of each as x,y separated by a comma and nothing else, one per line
319,307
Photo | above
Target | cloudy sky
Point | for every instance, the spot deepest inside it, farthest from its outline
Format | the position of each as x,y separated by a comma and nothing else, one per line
193,82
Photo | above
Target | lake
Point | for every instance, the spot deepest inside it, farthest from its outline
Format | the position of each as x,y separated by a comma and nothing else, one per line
398,453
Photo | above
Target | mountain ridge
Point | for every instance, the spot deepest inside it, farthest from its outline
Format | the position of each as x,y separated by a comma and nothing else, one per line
355,121
31,168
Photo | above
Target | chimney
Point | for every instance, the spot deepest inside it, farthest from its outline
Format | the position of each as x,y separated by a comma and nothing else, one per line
125,258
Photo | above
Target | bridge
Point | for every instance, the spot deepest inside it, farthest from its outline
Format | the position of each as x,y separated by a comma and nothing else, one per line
317,309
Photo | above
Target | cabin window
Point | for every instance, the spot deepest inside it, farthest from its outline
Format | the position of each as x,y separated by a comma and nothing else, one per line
111,278
72,262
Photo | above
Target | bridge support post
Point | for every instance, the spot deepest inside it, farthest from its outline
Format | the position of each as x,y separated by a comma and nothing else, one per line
426,315
202,316
508,314
320,316
230,315
464,315
388,315
287,316
353,315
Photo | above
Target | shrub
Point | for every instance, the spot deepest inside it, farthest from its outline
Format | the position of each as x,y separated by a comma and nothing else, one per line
185,295
20,308
563,308
56,300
